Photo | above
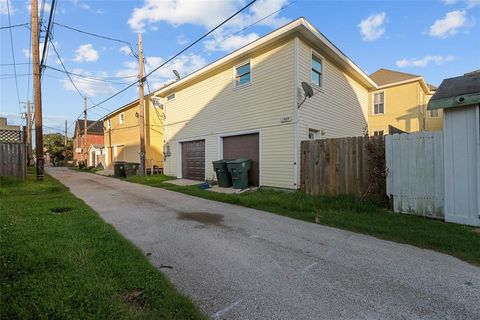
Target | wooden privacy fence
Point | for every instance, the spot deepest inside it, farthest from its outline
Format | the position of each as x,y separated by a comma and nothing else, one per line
415,173
353,165
13,160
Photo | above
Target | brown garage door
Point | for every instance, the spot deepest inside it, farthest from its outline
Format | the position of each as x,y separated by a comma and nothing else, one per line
244,146
193,160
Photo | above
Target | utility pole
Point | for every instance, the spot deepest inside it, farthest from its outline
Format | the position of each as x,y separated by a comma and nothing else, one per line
37,92
141,102
85,130
29,134
66,139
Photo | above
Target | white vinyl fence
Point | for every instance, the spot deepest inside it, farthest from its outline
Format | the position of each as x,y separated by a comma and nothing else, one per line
415,173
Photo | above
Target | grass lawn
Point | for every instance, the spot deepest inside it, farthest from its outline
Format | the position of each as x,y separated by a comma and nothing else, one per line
59,260
349,213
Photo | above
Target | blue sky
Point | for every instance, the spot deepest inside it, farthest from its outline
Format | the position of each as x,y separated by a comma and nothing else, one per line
437,39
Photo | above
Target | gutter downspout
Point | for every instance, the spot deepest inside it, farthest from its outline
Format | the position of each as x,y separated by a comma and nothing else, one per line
295,113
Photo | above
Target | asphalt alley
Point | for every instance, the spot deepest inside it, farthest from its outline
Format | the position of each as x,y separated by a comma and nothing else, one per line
240,263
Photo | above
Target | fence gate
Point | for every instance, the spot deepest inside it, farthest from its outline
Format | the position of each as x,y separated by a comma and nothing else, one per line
415,172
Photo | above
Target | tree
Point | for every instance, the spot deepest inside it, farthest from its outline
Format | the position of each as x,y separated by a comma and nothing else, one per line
54,146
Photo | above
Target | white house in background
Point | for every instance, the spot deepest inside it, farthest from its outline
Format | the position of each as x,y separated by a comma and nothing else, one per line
460,100
96,155
247,105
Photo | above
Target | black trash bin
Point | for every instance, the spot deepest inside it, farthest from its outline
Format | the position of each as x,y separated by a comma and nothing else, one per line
239,169
223,176
131,168
119,169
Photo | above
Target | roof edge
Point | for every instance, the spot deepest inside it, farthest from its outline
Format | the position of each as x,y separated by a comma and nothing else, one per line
290,27
420,78
454,102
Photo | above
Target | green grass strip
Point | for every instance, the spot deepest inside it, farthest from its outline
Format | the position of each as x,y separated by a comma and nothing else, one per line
60,260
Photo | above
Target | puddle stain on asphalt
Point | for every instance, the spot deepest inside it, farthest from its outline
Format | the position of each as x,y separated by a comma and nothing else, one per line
206,218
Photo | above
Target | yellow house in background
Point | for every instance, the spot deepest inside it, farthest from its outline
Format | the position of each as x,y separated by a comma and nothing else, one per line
399,103
122,134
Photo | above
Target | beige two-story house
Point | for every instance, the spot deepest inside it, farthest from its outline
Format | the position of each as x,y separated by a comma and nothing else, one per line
399,104
249,104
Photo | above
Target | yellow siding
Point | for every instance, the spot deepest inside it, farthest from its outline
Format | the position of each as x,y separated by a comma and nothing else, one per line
126,136
433,123
338,108
212,107
405,109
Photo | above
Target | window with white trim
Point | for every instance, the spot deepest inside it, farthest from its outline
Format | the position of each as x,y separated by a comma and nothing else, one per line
171,97
317,70
109,124
312,134
121,118
434,113
243,74
379,103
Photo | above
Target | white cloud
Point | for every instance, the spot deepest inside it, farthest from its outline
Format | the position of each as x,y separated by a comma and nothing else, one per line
89,87
423,62
178,12
230,43
86,52
469,3
373,27
46,8
182,39
472,3
125,50
450,24
4,8
50,52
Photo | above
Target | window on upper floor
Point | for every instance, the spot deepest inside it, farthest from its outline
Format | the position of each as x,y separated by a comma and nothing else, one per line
313,134
434,113
378,133
121,118
243,74
109,124
317,70
379,103
171,97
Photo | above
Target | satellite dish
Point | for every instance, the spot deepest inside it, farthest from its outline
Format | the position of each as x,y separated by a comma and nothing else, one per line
307,89
175,72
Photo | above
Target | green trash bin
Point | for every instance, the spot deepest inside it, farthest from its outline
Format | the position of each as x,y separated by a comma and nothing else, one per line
119,169
239,169
223,176
131,168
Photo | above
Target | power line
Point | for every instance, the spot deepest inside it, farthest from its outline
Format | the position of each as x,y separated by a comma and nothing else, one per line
47,36
202,37
13,55
58,56
13,64
106,79
166,62
87,80
29,61
176,55
98,36
245,28
15,25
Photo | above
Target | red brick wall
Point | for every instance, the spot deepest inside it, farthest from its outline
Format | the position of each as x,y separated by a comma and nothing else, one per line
78,143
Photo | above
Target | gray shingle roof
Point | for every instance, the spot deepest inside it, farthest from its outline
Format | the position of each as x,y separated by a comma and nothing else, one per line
386,76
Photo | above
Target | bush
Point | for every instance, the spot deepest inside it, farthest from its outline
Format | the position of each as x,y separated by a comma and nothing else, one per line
81,164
